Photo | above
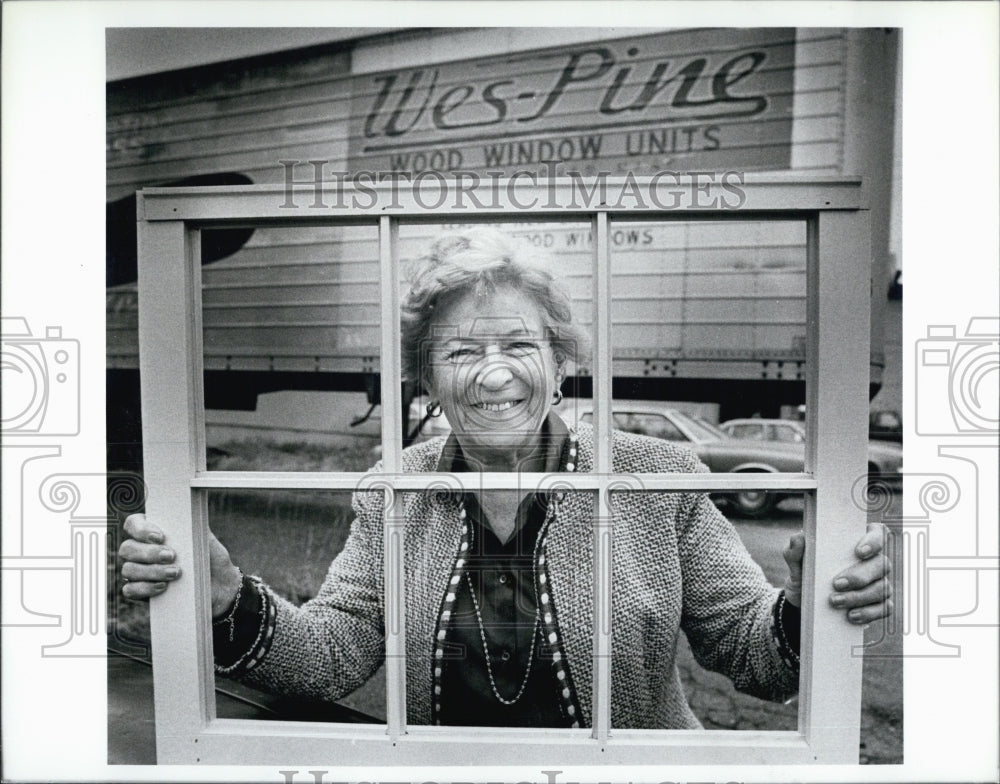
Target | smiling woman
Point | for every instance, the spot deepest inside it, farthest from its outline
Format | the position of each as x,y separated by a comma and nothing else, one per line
499,606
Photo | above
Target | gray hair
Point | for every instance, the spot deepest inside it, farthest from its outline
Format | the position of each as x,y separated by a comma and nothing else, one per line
480,261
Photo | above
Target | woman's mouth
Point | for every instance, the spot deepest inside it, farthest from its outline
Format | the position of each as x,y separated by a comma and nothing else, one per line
506,404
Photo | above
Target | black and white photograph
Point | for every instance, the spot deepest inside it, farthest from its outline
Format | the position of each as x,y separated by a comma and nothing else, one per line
509,397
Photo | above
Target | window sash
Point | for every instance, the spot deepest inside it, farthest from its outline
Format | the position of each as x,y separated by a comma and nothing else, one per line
170,319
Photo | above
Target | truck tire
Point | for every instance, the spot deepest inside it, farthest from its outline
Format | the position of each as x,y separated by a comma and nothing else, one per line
753,504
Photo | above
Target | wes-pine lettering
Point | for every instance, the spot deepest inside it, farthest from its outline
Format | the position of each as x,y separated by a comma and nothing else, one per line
403,102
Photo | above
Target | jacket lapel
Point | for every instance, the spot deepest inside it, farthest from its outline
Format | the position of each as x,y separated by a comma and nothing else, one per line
433,534
570,560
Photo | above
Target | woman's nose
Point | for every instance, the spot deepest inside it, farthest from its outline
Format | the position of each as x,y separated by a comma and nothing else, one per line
494,374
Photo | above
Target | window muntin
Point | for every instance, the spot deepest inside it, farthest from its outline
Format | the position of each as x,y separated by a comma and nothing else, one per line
837,232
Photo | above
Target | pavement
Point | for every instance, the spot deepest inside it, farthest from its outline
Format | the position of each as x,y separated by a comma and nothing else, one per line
131,713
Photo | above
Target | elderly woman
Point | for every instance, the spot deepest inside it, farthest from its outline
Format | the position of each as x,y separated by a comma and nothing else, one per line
499,589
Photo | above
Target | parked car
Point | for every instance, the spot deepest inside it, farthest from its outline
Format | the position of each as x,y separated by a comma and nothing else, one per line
712,446
885,459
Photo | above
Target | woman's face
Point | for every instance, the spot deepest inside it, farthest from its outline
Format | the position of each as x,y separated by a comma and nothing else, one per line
493,372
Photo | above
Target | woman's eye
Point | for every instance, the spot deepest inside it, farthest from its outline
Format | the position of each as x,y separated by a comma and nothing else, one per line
522,347
461,353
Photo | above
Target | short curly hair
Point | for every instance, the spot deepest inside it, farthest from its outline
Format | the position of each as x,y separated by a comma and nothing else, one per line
480,261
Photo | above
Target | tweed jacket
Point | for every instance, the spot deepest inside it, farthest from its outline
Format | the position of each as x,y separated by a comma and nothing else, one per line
677,564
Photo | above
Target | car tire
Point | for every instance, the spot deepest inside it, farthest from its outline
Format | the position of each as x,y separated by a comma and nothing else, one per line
753,504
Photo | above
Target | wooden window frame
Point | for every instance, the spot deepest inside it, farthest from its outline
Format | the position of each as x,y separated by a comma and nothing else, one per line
170,337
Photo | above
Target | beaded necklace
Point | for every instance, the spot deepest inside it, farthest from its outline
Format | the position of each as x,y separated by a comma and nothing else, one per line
543,609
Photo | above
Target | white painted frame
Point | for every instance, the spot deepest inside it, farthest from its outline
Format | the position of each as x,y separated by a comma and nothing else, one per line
170,336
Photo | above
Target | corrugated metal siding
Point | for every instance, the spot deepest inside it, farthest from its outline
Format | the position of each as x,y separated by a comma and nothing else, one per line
688,291
244,117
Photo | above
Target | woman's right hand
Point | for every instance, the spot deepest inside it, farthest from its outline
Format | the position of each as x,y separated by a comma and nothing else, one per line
148,565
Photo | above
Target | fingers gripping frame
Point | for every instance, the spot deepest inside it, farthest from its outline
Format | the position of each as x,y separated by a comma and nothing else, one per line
188,730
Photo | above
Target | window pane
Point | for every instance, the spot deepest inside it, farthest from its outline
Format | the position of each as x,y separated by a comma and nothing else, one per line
709,323
692,615
540,334
497,622
291,350
289,539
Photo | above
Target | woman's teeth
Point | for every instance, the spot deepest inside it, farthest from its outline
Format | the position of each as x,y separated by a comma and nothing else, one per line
496,406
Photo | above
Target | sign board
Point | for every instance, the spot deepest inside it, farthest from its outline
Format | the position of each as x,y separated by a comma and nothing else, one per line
684,100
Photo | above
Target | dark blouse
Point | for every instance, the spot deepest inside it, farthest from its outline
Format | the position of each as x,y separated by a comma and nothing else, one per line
501,575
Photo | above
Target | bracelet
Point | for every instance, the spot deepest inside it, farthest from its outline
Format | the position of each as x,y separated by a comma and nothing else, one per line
785,650
265,634
230,617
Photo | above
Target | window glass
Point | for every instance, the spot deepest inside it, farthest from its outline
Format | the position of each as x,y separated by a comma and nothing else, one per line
290,324
656,425
658,628
698,428
454,350
289,539
787,433
508,641
709,318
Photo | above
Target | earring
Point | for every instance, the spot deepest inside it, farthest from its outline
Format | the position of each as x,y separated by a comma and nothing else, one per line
557,398
433,409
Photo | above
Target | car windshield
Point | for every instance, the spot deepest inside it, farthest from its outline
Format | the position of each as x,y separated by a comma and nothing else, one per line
702,430
677,427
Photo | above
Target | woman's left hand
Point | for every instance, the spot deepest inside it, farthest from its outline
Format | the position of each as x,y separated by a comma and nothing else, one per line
863,589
